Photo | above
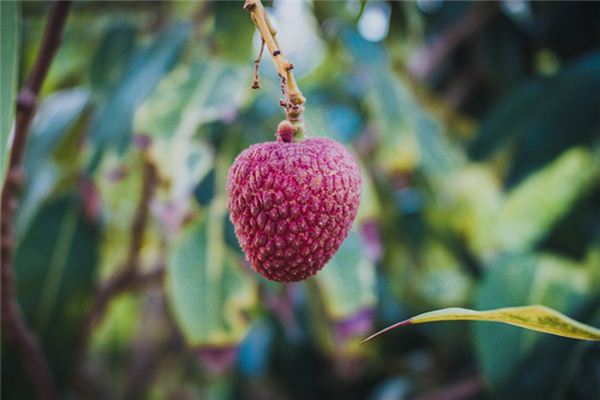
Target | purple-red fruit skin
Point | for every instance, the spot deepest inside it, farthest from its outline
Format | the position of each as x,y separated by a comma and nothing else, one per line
292,204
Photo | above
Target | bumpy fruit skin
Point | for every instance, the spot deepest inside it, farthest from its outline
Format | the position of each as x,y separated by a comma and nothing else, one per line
292,203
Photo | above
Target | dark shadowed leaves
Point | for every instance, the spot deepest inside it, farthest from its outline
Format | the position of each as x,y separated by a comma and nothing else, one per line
55,264
545,116
109,63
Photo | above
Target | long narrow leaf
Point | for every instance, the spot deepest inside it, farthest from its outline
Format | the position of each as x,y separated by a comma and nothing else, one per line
536,317
9,52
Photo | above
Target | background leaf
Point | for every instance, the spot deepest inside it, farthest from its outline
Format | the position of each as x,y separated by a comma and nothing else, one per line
114,122
348,280
54,118
531,208
60,249
514,281
112,56
234,39
193,95
543,118
209,292
9,58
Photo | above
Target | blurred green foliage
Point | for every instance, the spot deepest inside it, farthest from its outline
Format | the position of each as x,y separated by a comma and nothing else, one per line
477,129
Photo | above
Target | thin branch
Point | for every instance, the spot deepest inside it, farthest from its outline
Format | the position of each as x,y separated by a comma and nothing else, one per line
429,57
464,389
156,338
130,276
115,286
294,100
256,81
13,323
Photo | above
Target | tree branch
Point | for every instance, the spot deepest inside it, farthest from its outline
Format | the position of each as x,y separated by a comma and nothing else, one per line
464,389
130,276
13,323
429,57
294,100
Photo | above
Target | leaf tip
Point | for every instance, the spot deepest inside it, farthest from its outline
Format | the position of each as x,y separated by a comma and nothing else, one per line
389,328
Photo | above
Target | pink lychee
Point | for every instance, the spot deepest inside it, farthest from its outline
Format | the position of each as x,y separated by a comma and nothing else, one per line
292,203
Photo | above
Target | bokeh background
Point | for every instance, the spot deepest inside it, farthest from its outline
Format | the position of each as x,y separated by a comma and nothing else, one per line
477,129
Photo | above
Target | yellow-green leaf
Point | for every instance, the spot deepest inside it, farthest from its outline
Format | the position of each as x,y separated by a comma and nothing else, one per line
536,317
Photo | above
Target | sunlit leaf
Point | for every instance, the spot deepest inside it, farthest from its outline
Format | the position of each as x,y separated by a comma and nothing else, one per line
410,135
469,202
188,98
440,279
517,280
537,318
120,187
9,57
370,204
210,293
532,207
193,95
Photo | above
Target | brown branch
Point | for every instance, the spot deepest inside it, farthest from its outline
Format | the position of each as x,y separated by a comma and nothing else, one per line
461,390
13,323
294,100
429,57
256,80
115,286
129,275
156,338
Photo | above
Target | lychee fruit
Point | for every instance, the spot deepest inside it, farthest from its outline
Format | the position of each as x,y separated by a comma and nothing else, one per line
292,203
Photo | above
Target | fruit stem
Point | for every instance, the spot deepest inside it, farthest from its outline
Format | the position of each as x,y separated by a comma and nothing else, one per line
294,100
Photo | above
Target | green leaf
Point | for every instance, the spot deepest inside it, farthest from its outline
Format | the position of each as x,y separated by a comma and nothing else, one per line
193,95
235,33
209,292
537,318
469,203
347,282
543,118
555,284
531,208
439,279
51,124
55,266
363,5
188,98
52,121
519,280
9,57
114,123
109,63
411,135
